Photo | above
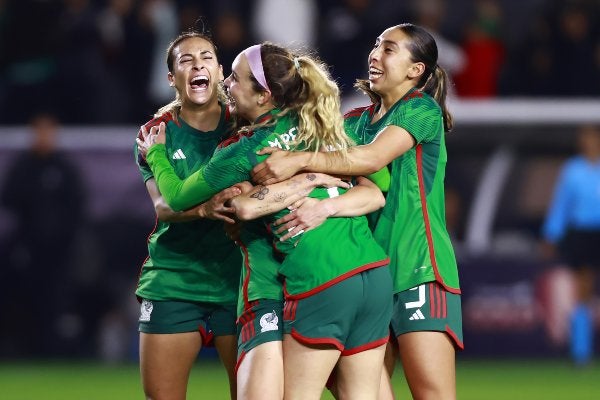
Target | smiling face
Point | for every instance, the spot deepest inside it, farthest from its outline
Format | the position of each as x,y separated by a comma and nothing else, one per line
195,71
246,100
391,69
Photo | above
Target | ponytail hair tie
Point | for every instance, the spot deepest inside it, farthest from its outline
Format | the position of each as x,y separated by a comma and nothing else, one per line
297,63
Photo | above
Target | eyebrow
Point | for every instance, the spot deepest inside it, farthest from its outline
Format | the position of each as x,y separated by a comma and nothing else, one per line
389,43
202,53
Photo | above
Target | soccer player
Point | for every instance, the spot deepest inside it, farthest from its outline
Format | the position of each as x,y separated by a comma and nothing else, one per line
189,283
294,103
404,129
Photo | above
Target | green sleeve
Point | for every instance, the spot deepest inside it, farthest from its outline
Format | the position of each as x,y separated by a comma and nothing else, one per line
381,178
421,117
179,194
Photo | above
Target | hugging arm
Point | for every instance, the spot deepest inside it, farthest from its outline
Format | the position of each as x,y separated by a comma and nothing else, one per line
361,199
257,201
215,208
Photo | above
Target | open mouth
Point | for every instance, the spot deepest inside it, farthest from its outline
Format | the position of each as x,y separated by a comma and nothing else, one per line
374,73
199,82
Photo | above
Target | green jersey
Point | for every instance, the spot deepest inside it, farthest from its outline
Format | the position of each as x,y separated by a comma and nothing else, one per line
344,245
260,272
412,225
189,261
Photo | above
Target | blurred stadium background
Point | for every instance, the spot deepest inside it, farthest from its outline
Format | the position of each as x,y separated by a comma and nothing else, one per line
526,79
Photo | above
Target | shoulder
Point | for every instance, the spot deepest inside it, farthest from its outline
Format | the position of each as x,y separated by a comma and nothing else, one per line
358,111
166,118
421,101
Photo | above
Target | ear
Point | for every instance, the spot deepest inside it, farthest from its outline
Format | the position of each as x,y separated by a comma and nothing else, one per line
416,70
264,97
221,76
171,79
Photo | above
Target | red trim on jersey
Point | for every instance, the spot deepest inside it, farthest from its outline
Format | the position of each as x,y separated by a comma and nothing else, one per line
356,112
432,309
438,277
247,279
443,300
307,340
207,337
455,338
139,299
289,310
376,264
246,320
366,346
239,361
236,137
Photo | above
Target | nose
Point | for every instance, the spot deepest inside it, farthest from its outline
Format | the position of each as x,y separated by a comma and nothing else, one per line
374,54
226,81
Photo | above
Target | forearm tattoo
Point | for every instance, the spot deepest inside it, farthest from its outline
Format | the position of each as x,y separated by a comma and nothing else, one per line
280,197
262,192
311,177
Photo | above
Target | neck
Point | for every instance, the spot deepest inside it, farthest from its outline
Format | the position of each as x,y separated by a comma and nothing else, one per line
260,111
203,117
391,98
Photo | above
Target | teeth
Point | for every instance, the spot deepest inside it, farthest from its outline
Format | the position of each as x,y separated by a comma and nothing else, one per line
199,80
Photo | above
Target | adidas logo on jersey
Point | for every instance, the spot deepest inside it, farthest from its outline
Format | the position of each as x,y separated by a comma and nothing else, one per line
178,155
417,315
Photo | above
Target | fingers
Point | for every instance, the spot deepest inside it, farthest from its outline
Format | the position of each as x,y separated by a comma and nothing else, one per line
286,218
224,217
267,150
229,193
143,132
258,172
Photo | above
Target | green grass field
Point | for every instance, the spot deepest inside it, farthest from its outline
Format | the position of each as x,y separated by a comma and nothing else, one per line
476,380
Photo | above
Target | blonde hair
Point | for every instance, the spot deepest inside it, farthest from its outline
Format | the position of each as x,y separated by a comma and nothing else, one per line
302,84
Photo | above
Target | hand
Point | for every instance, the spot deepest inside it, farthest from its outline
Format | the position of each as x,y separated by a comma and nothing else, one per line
307,214
146,139
279,166
218,206
327,181
244,186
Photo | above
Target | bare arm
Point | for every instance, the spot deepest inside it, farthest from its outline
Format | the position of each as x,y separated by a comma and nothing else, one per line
392,142
362,199
215,208
256,201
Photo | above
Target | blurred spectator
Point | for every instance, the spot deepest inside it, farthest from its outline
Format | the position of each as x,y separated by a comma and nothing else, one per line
163,19
126,41
230,35
484,51
575,52
296,22
81,70
560,56
343,32
45,194
573,224
28,57
430,14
